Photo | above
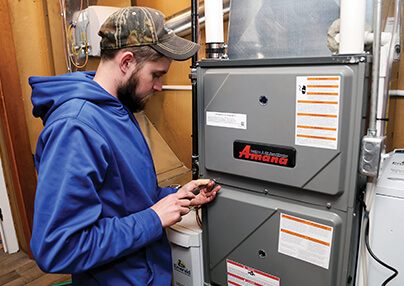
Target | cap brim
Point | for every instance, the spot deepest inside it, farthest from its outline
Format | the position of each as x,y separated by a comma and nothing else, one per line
177,48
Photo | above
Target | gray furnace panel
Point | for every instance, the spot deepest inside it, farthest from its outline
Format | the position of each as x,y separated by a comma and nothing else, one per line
246,229
267,100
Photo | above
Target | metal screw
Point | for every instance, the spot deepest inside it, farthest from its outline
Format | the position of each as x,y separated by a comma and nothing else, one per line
261,253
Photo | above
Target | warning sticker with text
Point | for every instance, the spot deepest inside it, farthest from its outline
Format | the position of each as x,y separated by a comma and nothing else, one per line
226,119
317,111
305,240
241,275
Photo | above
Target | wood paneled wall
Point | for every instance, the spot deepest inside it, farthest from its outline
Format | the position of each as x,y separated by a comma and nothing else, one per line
15,148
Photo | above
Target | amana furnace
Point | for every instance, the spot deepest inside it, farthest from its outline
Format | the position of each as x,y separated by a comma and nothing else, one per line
282,137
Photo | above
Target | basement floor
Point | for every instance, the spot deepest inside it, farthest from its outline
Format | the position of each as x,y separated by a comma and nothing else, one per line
18,269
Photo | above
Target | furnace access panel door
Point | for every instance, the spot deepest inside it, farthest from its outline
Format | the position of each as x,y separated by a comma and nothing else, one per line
282,137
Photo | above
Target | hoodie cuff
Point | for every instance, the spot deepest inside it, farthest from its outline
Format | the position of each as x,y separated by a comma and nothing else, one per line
151,224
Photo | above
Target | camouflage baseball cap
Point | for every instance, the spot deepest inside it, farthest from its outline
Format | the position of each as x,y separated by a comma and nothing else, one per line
140,26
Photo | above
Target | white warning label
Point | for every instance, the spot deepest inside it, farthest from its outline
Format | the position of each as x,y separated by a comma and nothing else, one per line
241,275
227,120
317,111
305,240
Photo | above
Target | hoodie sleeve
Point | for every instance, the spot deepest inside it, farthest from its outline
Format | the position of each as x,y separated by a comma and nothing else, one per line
69,236
163,192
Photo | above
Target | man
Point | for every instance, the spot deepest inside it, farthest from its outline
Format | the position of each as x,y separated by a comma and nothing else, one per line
99,213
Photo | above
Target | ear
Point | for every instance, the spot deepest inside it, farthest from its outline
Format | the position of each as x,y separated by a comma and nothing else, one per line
127,62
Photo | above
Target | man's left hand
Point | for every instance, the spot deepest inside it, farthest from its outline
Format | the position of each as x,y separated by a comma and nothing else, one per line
207,193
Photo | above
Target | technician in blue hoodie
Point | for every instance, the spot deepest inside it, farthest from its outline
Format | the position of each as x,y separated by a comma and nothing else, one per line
99,213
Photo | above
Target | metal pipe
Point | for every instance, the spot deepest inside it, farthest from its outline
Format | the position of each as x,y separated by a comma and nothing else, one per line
195,36
378,10
181,21
384,93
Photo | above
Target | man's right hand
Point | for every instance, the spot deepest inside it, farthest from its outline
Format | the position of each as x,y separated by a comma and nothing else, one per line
171,208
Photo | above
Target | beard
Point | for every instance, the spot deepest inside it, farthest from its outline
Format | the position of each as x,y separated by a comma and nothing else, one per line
127,94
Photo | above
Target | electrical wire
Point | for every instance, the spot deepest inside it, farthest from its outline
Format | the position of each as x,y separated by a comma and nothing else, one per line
76,52
197,216
71,52
367,201
366,217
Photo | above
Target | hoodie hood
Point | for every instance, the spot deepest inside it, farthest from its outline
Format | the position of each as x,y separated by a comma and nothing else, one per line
48,93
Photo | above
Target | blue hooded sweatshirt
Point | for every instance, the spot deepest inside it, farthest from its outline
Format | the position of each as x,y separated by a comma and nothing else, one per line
96,183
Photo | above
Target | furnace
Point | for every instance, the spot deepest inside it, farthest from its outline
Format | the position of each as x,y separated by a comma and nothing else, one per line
282,137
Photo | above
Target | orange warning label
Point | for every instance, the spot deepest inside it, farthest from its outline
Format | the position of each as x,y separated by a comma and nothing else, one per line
317,111
307,222
323,78
305,240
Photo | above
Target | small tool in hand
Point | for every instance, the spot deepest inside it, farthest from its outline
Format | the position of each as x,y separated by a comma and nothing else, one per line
198,190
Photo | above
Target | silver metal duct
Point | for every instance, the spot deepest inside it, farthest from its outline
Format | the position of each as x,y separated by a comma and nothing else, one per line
180,22
282,29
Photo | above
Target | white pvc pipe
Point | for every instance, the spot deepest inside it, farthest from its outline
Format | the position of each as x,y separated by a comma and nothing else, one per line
214,21
396,92
385,38
352,27
177,87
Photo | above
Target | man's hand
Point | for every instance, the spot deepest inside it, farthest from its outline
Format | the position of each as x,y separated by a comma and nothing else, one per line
207,192
171,208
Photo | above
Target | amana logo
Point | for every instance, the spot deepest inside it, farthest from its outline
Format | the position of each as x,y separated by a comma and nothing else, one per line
247,154
265,153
